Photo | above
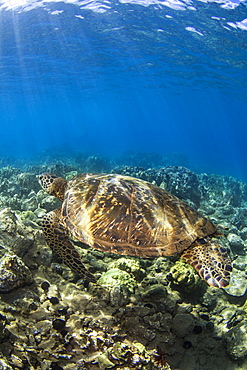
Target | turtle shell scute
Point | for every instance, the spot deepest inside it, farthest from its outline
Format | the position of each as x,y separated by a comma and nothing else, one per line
124,215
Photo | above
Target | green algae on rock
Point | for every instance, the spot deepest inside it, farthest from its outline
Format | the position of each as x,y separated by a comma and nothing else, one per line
184,277
114,277
129,265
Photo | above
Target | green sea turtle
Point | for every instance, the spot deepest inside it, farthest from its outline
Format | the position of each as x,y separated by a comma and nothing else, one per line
129,216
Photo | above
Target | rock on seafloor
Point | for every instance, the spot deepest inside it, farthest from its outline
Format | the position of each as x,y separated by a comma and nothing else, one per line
142,314
183,324
13,273
117,277
238,284
236,341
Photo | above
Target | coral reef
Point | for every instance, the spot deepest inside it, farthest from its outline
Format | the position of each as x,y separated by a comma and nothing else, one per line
142,313
151,160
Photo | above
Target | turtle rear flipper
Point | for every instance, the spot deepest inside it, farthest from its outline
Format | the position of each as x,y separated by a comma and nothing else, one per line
58,240
211,262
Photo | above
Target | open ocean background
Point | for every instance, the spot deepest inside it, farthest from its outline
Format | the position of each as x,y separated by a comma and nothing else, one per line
109,78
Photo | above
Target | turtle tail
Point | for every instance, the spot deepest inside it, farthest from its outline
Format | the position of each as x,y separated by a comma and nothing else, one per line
211,262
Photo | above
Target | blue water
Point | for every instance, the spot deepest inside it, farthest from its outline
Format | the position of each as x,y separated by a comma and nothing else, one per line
106,77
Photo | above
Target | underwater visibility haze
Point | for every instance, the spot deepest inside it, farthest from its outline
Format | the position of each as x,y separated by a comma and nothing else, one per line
140,76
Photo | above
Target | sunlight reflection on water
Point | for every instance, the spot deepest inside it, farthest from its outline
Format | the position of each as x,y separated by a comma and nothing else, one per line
102,6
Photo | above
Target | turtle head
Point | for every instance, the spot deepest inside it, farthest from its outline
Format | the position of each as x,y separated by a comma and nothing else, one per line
53,185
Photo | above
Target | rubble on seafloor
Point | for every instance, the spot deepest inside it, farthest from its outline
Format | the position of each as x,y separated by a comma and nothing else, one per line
142,313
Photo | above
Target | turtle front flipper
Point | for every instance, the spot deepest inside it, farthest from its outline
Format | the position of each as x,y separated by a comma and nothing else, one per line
211,262
58,240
